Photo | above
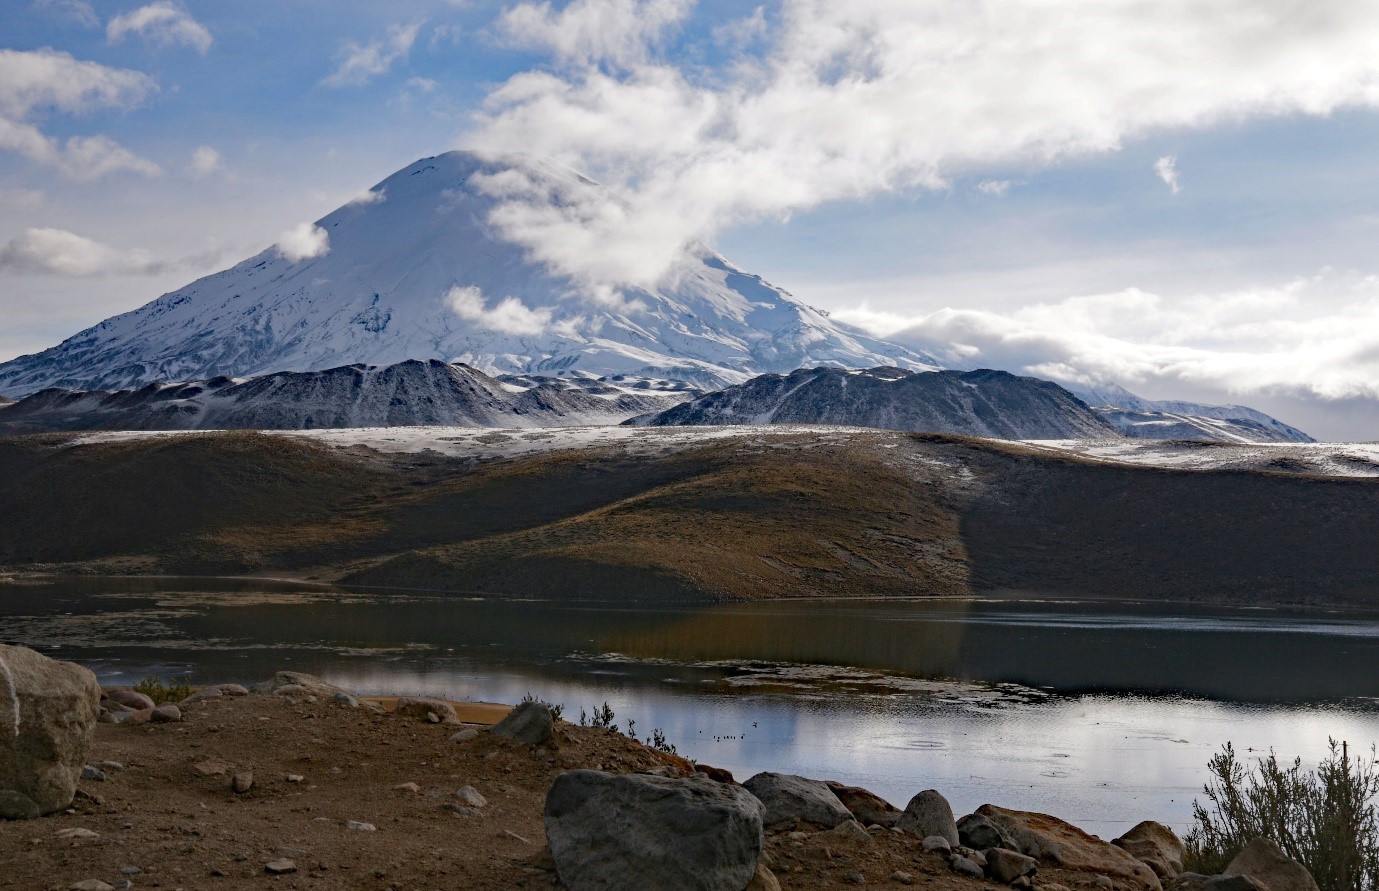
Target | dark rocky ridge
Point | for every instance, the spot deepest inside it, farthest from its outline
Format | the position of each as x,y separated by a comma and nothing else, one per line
989,403
411,393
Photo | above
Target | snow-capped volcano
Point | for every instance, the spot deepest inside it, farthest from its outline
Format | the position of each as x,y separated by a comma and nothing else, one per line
415,269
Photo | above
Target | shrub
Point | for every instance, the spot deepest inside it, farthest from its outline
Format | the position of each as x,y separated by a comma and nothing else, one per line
1326,819
658,741
160,691
556,709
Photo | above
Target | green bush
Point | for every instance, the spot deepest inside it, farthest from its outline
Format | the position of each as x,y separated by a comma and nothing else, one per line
1326,819
160,691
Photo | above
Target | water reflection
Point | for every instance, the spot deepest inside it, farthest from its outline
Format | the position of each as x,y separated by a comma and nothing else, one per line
825,689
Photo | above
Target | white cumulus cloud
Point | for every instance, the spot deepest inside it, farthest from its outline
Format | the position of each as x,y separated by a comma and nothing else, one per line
59,252
851,99
361,63
303,241
507,316
592,31
36,80
1167,170
163,23
205,160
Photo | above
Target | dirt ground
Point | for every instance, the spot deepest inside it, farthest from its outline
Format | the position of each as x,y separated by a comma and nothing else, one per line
168,817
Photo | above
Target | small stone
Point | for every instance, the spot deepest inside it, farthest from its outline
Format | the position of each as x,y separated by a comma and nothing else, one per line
848,830
91,772
166,714
211,768
110,765
965,867
278,867
462,810
232,690
77,833
408,787
901,877
1022,882
242,781
291,853
1007,866
854,878
936,843
464,735
295,778
90,885
470,796
123,885
130,870
360,826
1102,881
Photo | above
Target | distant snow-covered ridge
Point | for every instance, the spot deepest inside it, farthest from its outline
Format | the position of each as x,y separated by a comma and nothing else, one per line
406,394
418,272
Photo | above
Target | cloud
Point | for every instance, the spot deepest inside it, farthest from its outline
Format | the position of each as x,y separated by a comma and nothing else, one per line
1167,170
25,199
508,316
587,32
361,63
44,79
1315,337
205,160
59,252
162,23
78,11
363,199
996,188
303,241
848,100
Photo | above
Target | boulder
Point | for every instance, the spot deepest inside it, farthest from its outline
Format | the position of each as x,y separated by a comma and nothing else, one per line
976,831
1234,883
869,808
929,813
936,843
1156,846
763,880
1063,844
1007,866
47,719
166,713
434,711
531,723
785,797
613,831
1265,861
288,683
964,866
131,699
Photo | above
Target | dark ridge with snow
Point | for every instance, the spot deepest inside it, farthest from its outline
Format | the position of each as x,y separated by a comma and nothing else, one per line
976,403
1141,418
411,393
379,297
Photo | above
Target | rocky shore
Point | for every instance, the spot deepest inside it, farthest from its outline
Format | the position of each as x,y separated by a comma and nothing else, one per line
295,783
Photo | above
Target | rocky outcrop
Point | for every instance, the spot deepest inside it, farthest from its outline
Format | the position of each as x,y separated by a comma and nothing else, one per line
929,813
1063,844
1156,846
1264,861
47,719
787,798
977,832
432,711
296,683
869,808
531,723
612,831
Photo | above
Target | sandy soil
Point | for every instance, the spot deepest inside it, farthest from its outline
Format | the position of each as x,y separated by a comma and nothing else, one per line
169,818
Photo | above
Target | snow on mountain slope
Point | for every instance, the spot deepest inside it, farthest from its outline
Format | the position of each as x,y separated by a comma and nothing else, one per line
409,393
414,270
1141,418
977,403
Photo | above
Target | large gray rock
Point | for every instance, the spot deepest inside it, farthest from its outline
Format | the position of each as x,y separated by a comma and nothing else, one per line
1007,866
1156,846
869,808
531,723
977,832
1263,860
929,813
47,718
787,797
631,831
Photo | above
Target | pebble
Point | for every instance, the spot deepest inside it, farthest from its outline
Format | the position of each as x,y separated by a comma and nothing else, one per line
242,781
470,796
901,877
462,810
210,768
77,833
110,765
936,843
90,885
854,878
280,866
166,714
360,826
295,778
965,867
92,772
130,870
408,787
1102,881
464,735
123,885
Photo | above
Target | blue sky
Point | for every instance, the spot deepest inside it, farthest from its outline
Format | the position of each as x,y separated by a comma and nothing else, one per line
975,177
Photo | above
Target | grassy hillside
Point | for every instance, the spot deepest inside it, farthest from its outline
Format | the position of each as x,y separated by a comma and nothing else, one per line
750,516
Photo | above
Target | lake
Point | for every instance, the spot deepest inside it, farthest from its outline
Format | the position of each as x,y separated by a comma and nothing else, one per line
1103,713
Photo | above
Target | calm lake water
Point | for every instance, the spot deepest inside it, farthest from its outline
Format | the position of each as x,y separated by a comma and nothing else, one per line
1102,713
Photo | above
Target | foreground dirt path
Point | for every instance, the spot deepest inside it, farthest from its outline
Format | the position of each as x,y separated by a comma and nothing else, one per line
169,817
